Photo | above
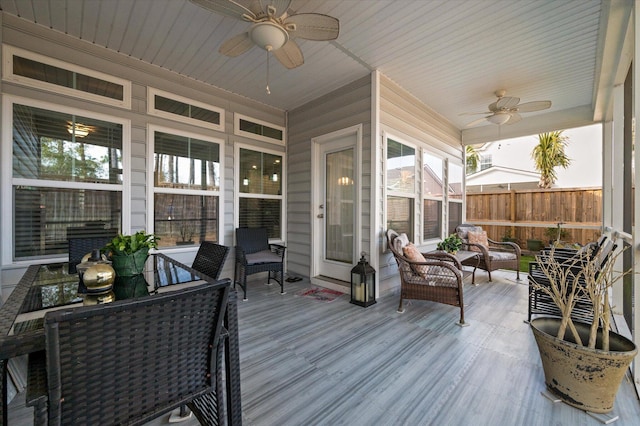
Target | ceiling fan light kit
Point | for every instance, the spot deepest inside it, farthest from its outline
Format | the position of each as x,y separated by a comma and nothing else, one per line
507,109
268,35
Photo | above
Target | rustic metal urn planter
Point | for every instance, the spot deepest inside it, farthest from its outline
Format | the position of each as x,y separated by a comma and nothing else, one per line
584,378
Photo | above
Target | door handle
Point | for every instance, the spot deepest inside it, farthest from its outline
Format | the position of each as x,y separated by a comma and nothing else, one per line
320,216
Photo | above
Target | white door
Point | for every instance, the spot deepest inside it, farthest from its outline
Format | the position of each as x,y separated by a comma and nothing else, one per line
335,206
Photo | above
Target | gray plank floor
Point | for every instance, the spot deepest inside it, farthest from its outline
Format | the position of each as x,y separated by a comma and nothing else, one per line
309,362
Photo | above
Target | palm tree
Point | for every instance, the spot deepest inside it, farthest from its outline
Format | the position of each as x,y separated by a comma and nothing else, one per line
549,154
472,159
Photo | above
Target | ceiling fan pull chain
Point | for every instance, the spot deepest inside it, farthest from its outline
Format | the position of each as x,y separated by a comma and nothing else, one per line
268,90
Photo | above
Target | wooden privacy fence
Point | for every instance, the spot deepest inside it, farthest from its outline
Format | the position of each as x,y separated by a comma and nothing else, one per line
533,214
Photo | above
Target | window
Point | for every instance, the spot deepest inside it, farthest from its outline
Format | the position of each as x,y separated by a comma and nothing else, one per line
174,107
186,188
35,70
455,172
485,161
260,197
67,177
433,195
401,187
257,129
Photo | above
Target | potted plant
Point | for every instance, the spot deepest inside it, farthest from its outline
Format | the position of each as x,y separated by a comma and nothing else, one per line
583,363
451,244
128,253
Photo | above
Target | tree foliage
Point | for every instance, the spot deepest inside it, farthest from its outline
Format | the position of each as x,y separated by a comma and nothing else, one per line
472,159
549,154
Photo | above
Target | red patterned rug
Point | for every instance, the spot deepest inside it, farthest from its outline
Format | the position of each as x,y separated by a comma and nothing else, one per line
320,293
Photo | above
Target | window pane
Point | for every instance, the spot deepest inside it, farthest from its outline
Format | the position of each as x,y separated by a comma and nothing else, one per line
432,223
57,146
182,162
432,181
455,216
65,78
257,212
401,165
260,173
185,219
455,181
262,130
43,216
400,215
186,110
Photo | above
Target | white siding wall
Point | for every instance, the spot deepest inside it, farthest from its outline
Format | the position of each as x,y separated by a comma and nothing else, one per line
345,107
38,39
403,115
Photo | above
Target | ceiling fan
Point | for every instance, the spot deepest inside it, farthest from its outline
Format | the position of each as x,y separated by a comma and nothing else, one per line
507,109
274,28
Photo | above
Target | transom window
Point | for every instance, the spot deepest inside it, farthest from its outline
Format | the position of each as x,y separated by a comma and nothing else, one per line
174,107
258,129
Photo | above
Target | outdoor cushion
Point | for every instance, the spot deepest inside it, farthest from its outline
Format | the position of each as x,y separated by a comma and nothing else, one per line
502,255
463,231
412,253
400,243
264,256
478,238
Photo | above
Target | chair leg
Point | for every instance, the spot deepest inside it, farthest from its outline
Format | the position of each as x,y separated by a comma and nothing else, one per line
489,274
400,307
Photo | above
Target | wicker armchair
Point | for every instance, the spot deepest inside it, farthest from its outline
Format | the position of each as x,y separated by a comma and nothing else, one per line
437,279
210,259
495,255
255,254
133,360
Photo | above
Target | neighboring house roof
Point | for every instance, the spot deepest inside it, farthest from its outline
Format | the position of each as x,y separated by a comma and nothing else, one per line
498,177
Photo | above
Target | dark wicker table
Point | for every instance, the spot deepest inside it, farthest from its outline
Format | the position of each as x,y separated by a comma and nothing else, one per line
46,287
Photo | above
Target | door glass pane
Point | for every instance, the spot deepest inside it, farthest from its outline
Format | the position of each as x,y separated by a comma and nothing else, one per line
339,207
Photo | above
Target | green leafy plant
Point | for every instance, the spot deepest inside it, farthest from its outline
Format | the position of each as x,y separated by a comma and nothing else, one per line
451,244
128,244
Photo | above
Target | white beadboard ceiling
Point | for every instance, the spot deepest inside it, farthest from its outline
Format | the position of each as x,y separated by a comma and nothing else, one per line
450,54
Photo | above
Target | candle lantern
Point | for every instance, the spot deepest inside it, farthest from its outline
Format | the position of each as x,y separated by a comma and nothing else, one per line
363,281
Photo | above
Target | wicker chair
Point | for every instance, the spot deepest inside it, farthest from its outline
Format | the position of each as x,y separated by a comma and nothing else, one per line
210,259
131,361
79,246
438,279
255,254
541,303
498,255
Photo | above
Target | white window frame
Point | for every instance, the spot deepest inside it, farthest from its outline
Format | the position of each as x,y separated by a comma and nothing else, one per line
8,182
151,109
454,200
238,182
8,75
236,129
442,198
152,190
417,210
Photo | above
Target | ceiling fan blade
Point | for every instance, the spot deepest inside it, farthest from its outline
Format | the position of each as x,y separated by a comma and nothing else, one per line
312,26
476,113
227,8
534,106
236,45
279,6
289,55
515,117
476,122
506,102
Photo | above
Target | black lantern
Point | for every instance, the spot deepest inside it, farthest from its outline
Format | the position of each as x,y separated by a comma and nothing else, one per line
363,282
